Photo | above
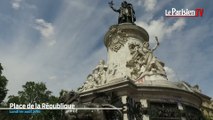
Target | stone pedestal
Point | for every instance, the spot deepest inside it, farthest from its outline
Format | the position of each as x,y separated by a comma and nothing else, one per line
117,41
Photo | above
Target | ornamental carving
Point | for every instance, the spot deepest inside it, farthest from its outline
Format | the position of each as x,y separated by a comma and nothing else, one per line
117,39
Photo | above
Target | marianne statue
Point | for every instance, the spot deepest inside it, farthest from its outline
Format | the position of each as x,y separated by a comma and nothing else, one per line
126,12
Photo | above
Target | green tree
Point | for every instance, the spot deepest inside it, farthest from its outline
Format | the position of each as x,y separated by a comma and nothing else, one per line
34,93
3,83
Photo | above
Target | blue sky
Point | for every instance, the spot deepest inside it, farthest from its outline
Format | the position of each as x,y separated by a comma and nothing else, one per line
59,42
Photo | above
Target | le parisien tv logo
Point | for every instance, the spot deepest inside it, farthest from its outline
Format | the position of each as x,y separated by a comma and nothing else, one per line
198,12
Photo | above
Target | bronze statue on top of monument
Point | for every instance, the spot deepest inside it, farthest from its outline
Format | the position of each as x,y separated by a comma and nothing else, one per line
126,12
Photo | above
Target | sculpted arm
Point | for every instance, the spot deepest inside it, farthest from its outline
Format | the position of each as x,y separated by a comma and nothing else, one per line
111,5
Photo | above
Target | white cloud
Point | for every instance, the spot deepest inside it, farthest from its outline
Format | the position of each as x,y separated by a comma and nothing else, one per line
47,31
178,25
150,4
16,4
52,77
160,28
171,75
66,63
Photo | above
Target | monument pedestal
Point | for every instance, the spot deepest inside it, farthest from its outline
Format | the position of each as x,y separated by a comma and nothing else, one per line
150,100
133,84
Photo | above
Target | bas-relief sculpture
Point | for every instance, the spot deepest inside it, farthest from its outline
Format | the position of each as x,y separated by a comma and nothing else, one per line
118,39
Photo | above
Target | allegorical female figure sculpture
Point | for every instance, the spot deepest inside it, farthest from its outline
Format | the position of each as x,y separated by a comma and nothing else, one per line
151,62
98,77
143,62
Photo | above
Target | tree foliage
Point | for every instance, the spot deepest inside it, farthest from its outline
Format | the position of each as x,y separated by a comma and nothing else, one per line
34,93
3,83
